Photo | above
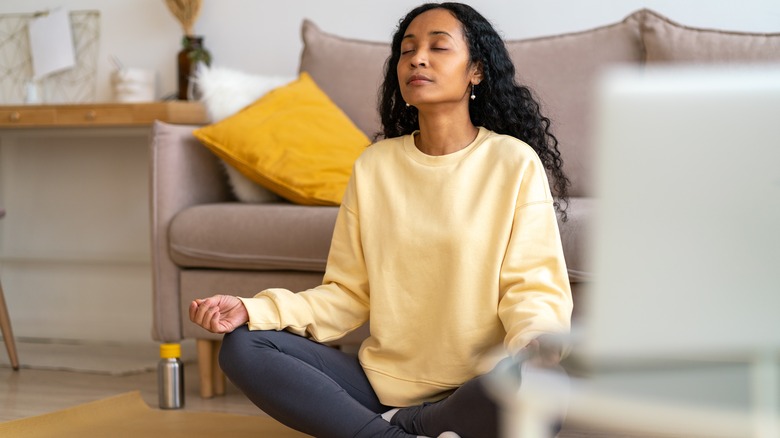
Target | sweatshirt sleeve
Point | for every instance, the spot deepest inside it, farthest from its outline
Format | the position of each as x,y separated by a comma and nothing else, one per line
331,310
534,284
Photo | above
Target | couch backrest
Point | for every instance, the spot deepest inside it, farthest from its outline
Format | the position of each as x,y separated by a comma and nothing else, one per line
349,71
561,70
666,41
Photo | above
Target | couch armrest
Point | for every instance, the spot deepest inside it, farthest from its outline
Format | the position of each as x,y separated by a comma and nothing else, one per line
183,173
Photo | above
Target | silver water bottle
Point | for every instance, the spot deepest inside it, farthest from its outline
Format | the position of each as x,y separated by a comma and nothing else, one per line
170,377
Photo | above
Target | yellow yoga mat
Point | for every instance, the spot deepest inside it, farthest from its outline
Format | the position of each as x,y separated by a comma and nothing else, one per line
126,415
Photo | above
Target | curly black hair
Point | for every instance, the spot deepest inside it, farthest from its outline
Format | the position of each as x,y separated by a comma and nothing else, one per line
503,106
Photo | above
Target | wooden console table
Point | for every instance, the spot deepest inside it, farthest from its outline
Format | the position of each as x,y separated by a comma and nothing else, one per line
101,114
74,244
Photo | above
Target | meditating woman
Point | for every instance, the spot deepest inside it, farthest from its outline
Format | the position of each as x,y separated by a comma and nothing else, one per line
446,238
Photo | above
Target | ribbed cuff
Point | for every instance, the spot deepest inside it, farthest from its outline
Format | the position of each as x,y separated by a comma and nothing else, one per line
263,314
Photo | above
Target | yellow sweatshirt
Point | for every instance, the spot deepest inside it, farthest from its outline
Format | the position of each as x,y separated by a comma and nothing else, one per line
450,256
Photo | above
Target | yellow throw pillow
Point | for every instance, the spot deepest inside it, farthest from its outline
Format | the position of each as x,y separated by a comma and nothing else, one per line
294,141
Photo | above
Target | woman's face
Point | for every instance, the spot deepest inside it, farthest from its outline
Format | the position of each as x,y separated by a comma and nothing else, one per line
434,65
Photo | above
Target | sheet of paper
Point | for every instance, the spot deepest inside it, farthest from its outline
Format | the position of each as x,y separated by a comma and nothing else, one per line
51,43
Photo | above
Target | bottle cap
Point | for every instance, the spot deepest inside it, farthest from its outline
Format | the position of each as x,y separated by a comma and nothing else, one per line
170,351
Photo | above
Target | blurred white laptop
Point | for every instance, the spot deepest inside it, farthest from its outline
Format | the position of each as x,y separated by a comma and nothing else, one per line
686,248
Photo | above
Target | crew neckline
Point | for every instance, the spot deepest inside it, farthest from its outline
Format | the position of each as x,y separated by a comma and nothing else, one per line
441,160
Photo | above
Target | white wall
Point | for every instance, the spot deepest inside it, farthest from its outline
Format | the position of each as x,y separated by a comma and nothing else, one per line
262,36
74,247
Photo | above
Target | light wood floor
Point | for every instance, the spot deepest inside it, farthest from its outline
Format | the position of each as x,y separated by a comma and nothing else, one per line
31,392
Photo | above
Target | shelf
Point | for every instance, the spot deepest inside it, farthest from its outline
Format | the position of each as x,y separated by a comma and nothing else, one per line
101,115
77,259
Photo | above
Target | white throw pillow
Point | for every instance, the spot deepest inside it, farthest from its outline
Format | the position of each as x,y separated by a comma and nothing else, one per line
224,92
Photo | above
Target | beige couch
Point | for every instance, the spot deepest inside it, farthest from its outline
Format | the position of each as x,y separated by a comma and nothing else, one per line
205,242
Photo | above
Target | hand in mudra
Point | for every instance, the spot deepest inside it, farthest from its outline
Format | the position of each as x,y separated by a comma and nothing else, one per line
219,314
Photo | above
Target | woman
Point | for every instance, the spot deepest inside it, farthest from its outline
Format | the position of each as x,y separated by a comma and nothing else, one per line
447,237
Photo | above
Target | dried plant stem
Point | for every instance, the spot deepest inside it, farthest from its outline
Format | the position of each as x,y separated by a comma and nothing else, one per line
186,12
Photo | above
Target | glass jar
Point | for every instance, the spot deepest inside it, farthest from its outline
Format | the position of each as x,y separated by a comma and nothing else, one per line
191,56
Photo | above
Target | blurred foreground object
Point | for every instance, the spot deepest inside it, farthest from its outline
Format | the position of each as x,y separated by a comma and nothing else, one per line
680,324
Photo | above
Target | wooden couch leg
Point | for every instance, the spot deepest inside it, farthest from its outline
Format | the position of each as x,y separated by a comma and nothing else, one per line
217,376
212,380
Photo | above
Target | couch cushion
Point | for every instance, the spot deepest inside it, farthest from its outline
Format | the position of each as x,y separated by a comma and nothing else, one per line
667,41
293,141
348,71
562,71
252,236
296,237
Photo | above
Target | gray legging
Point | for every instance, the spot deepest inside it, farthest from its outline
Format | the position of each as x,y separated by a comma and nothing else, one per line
324,392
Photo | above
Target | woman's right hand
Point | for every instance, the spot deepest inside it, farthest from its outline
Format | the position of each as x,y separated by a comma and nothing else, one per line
219,314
